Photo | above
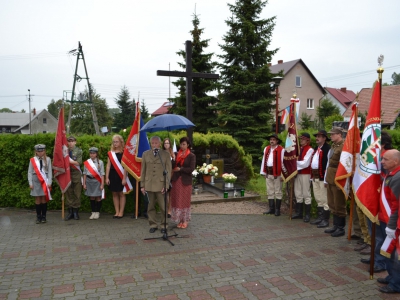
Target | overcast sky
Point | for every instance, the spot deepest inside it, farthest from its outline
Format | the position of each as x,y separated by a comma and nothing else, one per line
126,41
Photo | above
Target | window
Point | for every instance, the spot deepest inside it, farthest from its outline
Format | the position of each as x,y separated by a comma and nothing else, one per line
44,121
310,103
44,131
298,81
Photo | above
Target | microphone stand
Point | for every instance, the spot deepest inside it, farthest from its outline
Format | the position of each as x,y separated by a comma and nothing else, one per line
165,233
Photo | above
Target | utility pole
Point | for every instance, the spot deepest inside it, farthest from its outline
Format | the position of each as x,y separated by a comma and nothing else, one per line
30,116
79,55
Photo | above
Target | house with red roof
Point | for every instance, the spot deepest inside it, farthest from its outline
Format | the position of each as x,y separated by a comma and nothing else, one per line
390,104
163,109
342,97
297,78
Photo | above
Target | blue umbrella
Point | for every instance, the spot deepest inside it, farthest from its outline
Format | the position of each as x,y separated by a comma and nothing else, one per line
167,122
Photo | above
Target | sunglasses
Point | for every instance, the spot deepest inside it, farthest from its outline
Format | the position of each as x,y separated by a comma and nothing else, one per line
39,150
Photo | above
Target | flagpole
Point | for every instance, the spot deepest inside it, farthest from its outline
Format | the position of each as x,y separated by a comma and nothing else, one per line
371,266
137,199
62,206
353,167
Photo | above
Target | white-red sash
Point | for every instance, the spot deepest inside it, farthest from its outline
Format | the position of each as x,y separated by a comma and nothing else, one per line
389,245
76,167
95,173
42,177
120,170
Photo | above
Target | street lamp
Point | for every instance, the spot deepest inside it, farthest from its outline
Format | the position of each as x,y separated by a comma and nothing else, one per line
277,80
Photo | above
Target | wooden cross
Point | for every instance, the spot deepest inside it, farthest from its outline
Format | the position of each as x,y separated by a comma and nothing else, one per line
189,75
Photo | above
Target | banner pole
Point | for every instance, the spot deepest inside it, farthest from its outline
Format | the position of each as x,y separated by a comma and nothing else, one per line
137,199
62,206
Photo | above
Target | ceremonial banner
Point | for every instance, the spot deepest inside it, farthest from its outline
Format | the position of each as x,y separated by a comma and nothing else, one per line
136,144
291,147
285,115
61,165
296,101
367,180
351,148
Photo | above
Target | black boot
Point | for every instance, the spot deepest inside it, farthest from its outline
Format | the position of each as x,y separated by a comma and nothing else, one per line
341,223
278,207
325,219
334,227
307,213
76,216
320,216
299,211
70,214
271,210
38,213
44,212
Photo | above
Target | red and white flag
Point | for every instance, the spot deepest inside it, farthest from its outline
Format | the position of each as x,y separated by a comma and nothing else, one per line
136,144
291,147
347,157
61,165
367,177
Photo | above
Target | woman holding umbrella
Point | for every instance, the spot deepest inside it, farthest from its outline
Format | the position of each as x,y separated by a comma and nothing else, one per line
181,193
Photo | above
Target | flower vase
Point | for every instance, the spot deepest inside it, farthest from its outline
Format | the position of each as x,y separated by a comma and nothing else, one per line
212,180
229,184
207,178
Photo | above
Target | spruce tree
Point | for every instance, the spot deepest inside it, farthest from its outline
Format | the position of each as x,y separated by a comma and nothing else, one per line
144,111
126,115
246,107
203,111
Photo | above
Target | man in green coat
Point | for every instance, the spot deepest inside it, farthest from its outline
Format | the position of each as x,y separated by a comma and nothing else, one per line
73,194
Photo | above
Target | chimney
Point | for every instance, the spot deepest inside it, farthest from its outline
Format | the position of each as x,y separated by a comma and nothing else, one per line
269,64
343,90
34,111
280,61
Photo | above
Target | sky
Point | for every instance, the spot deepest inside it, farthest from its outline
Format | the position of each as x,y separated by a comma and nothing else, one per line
125,42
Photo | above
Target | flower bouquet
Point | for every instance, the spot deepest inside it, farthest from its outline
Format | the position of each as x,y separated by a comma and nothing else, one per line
209,169
195,173
229,177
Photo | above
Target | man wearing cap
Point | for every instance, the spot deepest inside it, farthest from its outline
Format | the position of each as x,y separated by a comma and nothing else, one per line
302,189
73,199
271,168
319,161
336,198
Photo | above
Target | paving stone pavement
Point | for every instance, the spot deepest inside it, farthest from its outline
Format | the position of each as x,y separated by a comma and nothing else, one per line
216,257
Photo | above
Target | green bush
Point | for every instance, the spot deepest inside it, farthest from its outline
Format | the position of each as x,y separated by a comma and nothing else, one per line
16,151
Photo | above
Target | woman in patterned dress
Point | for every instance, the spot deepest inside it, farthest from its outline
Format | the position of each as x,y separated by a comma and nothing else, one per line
181,192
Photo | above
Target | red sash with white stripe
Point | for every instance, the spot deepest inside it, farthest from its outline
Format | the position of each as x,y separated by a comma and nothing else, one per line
42,178
120,171
389,245
94,172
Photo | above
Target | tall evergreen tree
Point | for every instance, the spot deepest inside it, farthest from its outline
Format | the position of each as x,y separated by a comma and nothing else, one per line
202,103
144,111
125,117
246,105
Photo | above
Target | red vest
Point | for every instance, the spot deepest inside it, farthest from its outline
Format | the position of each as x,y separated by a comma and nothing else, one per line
301,157
277,160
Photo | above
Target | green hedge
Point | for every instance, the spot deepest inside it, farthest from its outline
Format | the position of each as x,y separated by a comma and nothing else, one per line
16,151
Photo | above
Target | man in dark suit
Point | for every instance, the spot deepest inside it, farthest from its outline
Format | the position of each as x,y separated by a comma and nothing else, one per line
154,161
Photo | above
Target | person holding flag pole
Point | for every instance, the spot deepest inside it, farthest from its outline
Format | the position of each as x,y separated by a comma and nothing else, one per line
136,144
61,166
345,171
289,170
